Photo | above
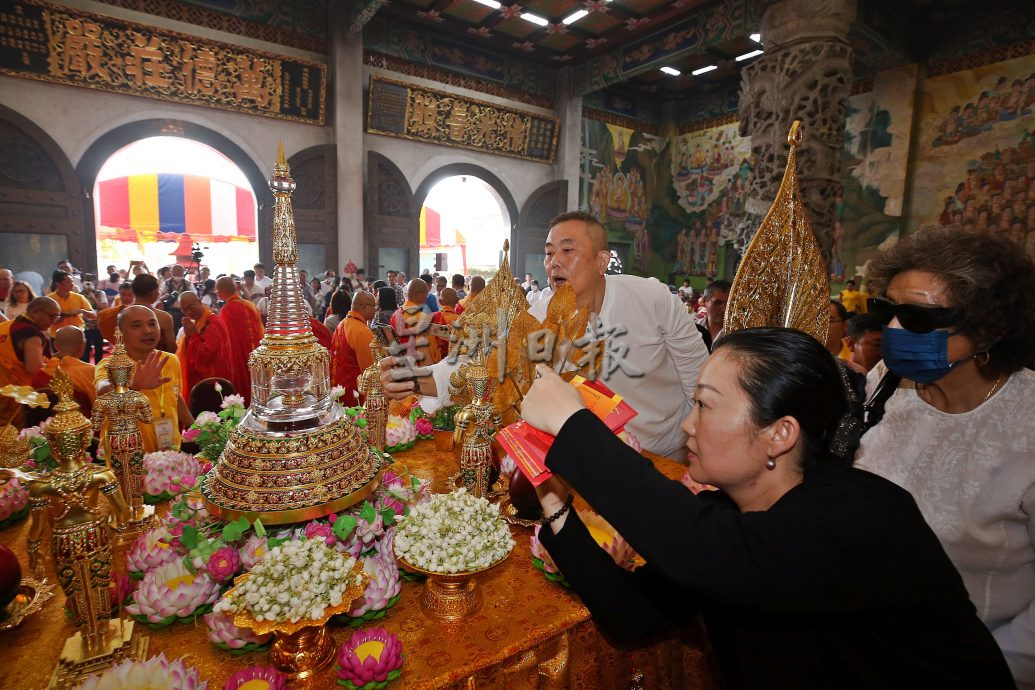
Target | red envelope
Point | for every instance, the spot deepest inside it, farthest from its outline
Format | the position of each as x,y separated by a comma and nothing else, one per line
528,446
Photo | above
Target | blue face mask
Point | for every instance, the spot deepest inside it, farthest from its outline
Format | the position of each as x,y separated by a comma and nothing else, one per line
920,357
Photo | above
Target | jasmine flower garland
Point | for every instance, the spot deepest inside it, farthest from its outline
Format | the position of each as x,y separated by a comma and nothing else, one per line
453,533
296,580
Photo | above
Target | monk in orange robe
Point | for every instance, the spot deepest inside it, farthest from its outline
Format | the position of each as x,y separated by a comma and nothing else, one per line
350,346
204,348
244,327
446,315
106,317
410,323
69,344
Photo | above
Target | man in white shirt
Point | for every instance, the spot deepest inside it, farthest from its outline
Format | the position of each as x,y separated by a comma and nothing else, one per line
534,293
665,353
261,279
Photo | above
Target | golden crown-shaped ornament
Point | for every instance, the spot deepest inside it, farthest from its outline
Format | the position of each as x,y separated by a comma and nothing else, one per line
782,279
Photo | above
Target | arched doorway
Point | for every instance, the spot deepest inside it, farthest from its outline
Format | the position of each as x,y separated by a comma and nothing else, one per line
100,151
164,200
463,224
42,219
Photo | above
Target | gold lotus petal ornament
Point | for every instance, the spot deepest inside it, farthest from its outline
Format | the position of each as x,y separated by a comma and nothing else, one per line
26,395
782,280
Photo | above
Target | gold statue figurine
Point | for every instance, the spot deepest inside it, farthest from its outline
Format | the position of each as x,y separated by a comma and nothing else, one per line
66,502
124,410
375,403
475,425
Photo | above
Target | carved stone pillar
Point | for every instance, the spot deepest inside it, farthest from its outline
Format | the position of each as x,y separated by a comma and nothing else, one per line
805,74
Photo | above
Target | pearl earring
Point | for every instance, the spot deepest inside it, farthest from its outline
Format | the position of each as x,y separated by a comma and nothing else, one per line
770,464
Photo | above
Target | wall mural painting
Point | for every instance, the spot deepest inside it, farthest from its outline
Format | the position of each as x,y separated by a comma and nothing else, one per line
874,161
663,200
617,183
709,169
975,160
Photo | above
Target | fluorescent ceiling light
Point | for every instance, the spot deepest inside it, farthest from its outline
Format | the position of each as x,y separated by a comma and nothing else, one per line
489,3
671,71
534,18
702,70
574,17
757,38
748,56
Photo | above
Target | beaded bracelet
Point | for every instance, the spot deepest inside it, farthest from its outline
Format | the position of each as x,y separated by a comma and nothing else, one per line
561,511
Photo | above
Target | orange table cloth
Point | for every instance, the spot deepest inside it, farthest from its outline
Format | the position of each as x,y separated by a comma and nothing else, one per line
529,633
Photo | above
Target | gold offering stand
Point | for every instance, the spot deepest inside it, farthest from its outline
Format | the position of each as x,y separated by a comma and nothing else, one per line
450,597
301,649
294,456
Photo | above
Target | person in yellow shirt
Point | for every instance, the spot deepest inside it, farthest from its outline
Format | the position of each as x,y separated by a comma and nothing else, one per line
69,344
854,300
73,305
157,376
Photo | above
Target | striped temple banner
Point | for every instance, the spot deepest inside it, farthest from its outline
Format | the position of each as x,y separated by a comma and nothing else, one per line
140,208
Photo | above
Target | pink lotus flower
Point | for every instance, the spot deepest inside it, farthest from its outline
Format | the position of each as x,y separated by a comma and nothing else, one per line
253,550
223,564
191,435
207,418
424,426
320,530
13,498
366,533
155,672
170,473
171,591
231,400
223,632
400,433
257,677
371,656
384,581
151,550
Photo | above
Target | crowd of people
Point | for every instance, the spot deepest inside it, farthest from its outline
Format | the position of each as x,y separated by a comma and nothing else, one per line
885,544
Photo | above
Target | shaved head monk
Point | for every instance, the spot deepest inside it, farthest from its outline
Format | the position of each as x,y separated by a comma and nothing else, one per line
243,325
204,348
69,344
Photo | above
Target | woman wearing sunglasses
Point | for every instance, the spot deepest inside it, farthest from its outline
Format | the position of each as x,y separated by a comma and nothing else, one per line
958,430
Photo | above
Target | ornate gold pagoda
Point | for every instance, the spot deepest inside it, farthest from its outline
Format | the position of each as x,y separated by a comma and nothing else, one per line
782,279
293,457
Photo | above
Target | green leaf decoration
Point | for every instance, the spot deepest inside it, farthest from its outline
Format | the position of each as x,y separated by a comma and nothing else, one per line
189,537
388,515
368,512
275,542
260,529
343,526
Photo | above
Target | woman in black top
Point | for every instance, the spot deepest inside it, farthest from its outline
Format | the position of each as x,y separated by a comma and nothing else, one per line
809,574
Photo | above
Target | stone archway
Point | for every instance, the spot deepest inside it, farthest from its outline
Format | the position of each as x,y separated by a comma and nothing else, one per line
455,169
107,144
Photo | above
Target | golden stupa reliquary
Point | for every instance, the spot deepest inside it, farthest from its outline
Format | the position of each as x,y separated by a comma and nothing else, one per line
294,456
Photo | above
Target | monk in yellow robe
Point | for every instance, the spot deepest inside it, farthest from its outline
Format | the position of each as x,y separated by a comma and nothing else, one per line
243,324
204,347
69,344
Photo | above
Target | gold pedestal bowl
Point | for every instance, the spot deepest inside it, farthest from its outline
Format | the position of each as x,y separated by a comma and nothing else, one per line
302,648
450,597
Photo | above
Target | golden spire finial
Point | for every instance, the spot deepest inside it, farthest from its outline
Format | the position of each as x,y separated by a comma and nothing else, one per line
68,417
782,279
119,360
506,245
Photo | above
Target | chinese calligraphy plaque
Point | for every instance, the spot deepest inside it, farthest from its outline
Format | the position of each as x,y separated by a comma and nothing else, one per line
70,46
438,117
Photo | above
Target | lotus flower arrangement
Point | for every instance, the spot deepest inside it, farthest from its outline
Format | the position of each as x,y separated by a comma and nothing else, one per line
382,592
170,593
424,428
151,550
400,433
370,659
211,431
603,534
40,457
253,550
14,501
151,674
224,634
168,473
256,678
223,564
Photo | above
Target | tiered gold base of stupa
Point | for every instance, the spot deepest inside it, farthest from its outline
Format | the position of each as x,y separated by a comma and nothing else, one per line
285,477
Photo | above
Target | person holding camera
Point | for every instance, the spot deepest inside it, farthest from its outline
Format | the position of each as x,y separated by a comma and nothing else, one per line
176,285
